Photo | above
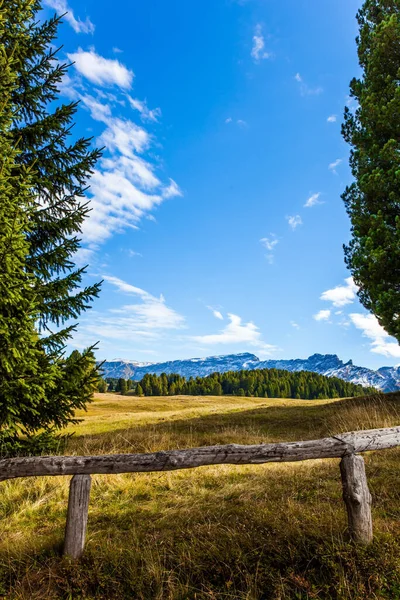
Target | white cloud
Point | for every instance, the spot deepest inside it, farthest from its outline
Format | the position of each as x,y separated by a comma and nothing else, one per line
322,315
172,190
305,89
217,314
100,70
83,256
333,165
342,294
145,113
332,119
62,8
237,332
123,187
294,221
125,137
270,243
145,318
258,50
239,122
295,325
123,286
313,200
381,342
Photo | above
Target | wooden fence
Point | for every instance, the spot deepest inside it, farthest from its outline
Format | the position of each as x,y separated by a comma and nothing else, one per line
346,446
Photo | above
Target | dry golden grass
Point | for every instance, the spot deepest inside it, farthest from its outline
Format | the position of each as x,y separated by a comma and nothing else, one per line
252,532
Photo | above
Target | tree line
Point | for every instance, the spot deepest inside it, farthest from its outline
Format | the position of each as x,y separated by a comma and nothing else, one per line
263,383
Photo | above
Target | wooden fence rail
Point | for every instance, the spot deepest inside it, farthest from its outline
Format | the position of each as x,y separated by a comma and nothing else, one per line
346,446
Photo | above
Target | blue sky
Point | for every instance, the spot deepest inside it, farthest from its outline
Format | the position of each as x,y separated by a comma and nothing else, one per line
217,223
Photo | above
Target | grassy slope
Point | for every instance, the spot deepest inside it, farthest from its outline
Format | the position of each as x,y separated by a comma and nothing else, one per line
260,532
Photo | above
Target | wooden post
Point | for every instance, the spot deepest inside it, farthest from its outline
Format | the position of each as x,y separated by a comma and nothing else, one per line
77,517
357,498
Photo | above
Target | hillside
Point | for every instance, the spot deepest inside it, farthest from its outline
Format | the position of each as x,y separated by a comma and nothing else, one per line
266,532
386,379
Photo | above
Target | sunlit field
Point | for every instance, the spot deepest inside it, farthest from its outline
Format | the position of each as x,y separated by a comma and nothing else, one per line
271,531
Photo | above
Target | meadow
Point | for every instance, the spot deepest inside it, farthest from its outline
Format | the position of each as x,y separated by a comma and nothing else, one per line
275,531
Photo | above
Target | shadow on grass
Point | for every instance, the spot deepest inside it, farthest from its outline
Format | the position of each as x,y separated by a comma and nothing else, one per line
258,425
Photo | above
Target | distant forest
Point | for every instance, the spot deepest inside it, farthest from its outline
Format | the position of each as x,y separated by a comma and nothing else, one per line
263,383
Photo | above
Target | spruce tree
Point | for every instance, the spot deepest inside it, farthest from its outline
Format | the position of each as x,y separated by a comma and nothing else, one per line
373,132
26,374
43,128
42,210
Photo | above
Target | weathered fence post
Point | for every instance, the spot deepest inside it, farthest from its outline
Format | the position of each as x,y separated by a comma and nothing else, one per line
77,517
357,498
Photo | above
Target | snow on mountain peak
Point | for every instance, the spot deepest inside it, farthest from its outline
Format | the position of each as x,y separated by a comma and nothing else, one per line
386,379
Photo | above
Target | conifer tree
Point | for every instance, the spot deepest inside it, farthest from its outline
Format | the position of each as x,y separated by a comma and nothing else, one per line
373,132
123,387
25,371
41,187
43,128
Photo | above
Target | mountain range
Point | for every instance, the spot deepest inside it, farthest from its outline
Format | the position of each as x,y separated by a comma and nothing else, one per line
386,379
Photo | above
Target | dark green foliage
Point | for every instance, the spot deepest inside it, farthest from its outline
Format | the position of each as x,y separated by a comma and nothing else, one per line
26,374
373,132
262,383
61,170
122,386
42,183
102,386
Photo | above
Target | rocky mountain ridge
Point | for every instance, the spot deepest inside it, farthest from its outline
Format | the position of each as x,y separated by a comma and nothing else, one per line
386,379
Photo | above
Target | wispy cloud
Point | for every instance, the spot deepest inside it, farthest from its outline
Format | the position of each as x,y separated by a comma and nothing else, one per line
239,122
313,200
100,70
258,51
322,315
381,342
217,313
332,119
62,8
145,319
341,294
294,221
145,113
305,89
124,187
236,332
332,167
270,243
